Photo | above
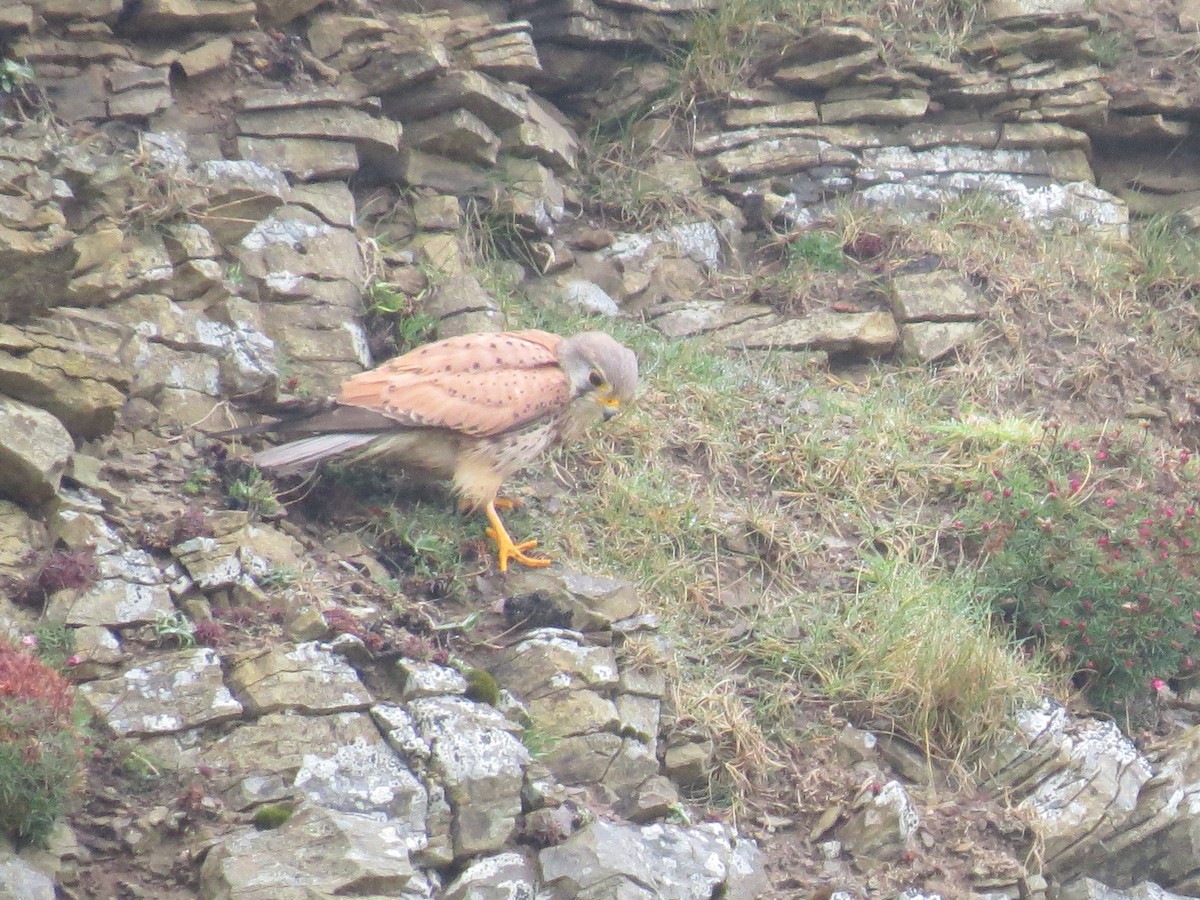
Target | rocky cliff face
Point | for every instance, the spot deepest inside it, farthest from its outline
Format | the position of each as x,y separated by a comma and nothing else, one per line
192,234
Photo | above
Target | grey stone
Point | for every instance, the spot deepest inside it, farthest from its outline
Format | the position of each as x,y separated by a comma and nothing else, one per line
938,296
481,766
550,660
317,852
20,880
169,694
365,776
34,450
880,826
871,334
505,876
669,861
928,342
305,677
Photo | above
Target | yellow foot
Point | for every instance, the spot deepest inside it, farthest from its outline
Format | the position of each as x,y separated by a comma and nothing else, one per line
506,549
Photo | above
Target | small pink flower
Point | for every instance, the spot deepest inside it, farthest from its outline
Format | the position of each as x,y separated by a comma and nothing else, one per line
30,641
1101,454
1007,492
996,473
1110,502
1190,511
1189,663
1169,512
1184,456
958,523
74,659
1158,684
1074,484
1065,623
988,496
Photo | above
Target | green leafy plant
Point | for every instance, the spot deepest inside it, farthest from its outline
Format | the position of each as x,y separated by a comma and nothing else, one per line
40,745
253,493
55,644
411,325
14,75
200,478
1090,546
176,627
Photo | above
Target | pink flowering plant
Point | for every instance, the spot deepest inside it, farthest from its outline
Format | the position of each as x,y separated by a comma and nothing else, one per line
1090,547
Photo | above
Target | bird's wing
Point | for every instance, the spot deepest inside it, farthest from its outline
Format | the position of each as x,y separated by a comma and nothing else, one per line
477,384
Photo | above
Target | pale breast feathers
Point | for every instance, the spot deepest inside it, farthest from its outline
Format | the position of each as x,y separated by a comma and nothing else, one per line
479,385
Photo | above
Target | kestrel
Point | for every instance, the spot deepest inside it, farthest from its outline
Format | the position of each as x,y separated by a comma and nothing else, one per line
472,410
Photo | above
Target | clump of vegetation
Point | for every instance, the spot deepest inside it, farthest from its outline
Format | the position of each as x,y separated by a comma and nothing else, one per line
209,633
56,571
1090,546
482,687
40,745
253,493
14,76
401,313
914,648
268,818
819,249
174,627
55,645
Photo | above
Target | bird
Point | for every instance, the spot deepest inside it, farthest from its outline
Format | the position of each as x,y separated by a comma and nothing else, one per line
472,409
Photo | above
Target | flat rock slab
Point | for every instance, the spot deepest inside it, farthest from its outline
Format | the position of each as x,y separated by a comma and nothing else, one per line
939,296
174,693
674,862
316,853
129,591
871,334
552,660
928,342
34,450
306,677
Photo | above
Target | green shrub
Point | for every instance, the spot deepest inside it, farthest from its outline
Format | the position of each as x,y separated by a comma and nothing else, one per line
1091,546
40,745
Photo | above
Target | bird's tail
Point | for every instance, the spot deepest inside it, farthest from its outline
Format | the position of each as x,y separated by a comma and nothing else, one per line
305,453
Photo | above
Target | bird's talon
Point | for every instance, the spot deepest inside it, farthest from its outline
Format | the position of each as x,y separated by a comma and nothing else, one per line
517,552
506,548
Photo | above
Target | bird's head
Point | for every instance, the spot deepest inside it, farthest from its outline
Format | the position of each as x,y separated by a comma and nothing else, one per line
599,369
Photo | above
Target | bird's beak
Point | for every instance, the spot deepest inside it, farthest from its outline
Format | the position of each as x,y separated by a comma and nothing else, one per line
609,406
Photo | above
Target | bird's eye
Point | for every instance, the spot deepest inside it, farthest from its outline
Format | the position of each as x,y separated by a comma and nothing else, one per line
596,379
